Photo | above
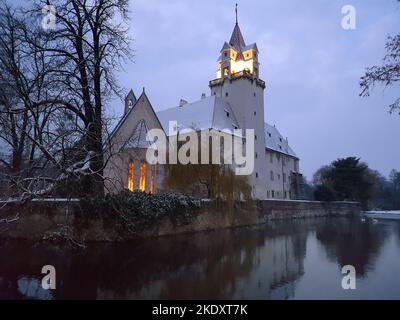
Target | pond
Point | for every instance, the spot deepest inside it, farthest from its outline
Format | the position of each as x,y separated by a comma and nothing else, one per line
299,259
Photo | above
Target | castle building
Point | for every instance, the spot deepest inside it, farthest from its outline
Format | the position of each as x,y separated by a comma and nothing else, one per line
236,101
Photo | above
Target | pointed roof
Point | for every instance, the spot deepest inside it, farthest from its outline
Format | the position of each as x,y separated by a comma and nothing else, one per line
237,40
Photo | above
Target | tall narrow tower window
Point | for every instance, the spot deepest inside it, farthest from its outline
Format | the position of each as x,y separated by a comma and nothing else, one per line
131,175
153,169
142,176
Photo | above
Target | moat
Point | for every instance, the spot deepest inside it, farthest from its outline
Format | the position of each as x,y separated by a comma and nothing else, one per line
298,259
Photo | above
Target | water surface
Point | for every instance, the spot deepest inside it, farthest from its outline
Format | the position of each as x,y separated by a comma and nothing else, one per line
299,259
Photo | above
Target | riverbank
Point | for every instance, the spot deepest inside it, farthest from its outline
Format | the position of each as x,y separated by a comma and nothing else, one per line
54,220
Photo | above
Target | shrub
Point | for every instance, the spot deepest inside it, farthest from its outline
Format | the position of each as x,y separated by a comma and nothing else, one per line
138,211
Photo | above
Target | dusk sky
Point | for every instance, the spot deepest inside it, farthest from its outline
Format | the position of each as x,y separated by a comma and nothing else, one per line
310,64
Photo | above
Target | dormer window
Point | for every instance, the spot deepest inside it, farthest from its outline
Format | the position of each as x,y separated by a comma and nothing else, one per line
130,104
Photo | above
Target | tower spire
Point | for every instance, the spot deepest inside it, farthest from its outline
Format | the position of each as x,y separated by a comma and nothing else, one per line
236,6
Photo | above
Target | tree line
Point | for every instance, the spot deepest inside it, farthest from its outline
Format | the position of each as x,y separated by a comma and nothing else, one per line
352,180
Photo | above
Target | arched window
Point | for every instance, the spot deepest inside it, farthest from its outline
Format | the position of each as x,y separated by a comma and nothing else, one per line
131,175
152,178
142,176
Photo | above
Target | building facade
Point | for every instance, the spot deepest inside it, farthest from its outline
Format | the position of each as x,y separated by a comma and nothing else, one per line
236,101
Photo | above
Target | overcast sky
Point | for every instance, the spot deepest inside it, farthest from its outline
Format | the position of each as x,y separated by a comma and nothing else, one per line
311,66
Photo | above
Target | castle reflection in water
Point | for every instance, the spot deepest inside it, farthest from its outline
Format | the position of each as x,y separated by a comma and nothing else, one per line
281,260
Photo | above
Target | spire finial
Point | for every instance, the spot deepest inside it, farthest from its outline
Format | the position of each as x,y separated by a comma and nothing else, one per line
236,13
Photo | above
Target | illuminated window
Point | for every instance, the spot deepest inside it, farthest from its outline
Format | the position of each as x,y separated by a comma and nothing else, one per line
131,167
142,176
226,71
152,178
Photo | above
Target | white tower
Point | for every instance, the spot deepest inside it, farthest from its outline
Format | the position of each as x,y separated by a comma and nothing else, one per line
239,84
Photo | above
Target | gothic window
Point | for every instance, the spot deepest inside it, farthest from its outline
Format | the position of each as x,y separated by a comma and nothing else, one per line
131,175
142,176
152,178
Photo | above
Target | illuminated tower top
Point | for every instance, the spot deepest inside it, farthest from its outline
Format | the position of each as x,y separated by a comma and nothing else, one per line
237,58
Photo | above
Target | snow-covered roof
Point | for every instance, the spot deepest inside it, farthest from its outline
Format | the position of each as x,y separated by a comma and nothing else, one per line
275,141
207,113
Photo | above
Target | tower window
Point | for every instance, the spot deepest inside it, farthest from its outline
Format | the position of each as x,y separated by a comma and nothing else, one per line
226,94
256,155
227,114
142,177
131,175
153,169
226,54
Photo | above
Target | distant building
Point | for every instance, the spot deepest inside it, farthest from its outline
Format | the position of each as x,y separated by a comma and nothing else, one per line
236,102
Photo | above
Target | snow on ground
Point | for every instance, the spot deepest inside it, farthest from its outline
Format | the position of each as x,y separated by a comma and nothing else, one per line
393,215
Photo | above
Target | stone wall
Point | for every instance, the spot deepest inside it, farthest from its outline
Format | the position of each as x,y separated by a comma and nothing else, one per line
41,220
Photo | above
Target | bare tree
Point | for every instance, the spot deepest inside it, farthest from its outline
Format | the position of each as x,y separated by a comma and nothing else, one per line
54,87
89,42
387,75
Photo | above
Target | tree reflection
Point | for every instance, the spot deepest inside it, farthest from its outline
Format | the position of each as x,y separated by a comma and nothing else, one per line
352,242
